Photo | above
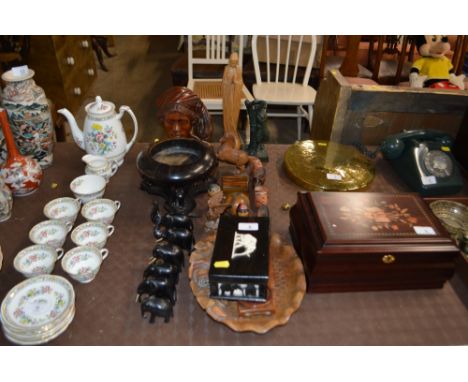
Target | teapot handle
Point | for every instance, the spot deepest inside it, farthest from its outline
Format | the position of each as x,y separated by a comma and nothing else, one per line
135,125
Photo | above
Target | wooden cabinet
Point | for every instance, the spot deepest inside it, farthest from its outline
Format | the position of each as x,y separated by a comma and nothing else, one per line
64,66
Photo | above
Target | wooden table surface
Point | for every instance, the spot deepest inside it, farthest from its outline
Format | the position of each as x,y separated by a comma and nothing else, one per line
106,312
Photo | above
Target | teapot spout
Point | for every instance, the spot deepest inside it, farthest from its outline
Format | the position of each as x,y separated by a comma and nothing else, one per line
76,131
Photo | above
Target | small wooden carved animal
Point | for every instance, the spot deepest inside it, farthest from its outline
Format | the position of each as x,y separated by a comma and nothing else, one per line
170,220
256,171
157,307
178,236
170,253
162,269
159,287
228,153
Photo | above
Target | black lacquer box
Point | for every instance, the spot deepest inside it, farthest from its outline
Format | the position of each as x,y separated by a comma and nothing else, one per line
239,266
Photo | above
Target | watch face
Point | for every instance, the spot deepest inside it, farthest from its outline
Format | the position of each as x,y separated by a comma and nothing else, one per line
438,163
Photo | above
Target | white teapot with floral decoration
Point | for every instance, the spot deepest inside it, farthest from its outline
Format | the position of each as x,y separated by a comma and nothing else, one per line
103,133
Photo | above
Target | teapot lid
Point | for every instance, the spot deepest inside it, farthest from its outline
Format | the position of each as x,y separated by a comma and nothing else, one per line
99,107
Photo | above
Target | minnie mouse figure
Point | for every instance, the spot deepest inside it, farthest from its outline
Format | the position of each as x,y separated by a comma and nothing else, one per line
434,69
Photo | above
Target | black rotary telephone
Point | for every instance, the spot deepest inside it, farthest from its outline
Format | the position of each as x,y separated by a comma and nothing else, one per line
424,160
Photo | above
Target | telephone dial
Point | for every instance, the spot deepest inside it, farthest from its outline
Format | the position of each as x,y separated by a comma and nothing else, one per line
424,160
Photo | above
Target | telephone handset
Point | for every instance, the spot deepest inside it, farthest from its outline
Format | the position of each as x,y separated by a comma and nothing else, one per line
424,160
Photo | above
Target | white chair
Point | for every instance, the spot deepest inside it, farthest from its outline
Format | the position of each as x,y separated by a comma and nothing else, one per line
214,52
282,53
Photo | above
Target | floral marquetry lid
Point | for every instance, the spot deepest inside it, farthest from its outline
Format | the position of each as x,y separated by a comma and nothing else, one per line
374,217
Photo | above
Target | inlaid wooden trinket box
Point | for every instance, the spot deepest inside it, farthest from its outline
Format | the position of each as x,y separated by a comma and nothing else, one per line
370,241
239,266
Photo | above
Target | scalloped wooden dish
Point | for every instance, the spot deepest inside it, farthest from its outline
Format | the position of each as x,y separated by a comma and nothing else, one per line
288,289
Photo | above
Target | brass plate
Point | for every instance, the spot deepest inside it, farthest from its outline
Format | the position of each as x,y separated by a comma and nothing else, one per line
327,166
453,215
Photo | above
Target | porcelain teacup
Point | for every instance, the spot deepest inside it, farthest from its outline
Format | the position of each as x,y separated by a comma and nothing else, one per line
88,187
50,232
38,259
63,209
92,233
83,263
100,210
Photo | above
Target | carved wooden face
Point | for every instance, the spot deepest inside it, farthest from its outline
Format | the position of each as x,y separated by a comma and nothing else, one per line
177,125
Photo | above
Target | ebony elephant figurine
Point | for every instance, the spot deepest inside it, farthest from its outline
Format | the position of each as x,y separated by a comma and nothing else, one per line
160,268
170,220
157,307
171,253
179,236
159,287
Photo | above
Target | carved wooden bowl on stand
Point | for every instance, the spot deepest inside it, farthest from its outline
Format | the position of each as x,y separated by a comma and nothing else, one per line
177,169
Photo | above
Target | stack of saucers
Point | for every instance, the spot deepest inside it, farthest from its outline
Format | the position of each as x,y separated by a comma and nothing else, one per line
38,310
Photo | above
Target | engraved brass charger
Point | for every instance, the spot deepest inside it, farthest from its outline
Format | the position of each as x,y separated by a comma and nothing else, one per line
288,288
454,217
327,166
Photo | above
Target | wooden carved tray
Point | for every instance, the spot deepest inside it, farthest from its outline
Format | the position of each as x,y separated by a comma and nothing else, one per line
288,288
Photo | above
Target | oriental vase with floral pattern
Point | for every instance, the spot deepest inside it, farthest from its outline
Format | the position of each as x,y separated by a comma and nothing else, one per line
29,115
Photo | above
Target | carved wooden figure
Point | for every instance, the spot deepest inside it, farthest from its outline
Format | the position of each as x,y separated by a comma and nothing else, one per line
227,152
232,95
183,114
157,307
258,128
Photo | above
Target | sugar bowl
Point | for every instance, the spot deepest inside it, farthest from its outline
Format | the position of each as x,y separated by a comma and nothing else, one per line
88,187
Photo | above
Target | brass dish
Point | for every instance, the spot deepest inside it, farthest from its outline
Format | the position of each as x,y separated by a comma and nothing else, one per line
288,289
327,166
453,215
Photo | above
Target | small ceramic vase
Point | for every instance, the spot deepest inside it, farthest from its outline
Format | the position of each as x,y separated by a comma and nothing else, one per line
6,200
22,174
29,114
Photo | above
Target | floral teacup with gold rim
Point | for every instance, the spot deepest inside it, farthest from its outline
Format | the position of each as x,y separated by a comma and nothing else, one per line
38,259
50,232
83,263
92,233
63,209
100,210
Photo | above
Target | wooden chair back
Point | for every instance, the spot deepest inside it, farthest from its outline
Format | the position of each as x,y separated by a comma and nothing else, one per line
283,55
217,50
